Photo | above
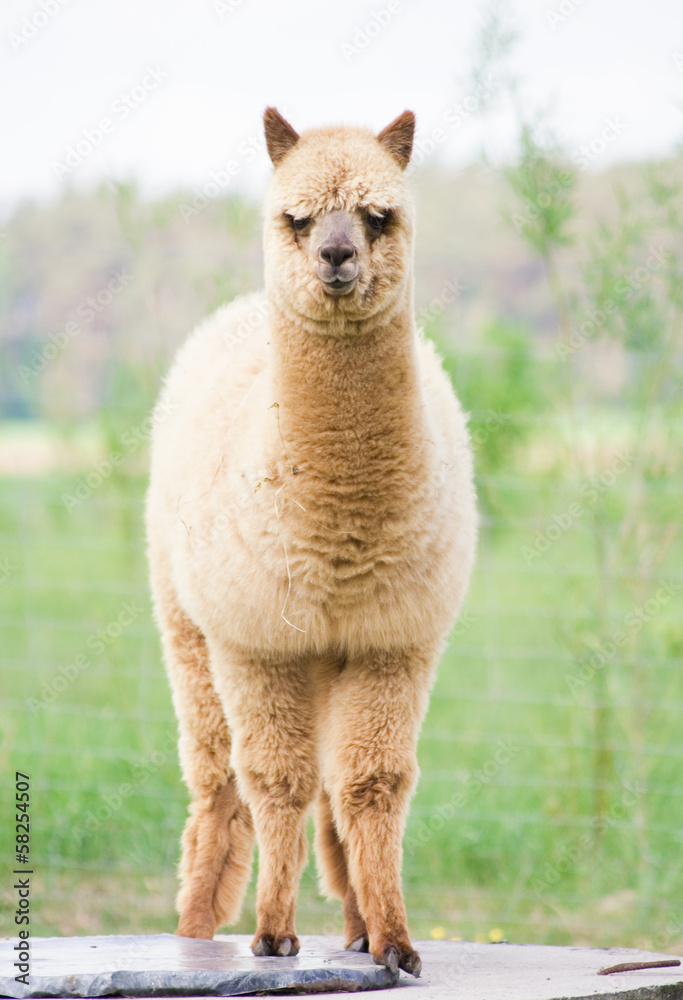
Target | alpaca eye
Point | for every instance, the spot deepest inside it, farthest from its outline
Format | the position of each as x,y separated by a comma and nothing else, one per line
378,222
299,224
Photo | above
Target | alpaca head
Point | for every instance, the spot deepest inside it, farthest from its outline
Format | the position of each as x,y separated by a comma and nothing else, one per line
339,220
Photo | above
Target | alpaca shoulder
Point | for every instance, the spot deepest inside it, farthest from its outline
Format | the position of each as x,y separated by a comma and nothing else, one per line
448,419
230,340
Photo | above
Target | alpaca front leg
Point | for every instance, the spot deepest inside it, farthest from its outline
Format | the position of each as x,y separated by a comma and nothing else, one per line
370,771
281,833
375,806
272,713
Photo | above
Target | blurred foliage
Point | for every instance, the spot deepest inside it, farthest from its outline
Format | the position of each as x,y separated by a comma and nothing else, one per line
57,262
620,318
504,387
543,184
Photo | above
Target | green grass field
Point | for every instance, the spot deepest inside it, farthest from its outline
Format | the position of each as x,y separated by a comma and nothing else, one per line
549,809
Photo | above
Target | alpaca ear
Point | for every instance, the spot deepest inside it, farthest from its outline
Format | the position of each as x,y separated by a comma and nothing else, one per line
280,136
397,137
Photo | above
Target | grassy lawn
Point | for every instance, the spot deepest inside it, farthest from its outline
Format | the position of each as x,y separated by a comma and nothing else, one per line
548,808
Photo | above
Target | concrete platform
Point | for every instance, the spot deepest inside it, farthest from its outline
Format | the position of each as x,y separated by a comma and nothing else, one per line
164,965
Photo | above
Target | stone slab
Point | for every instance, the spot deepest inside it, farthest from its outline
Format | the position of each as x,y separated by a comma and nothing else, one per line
158,965
164,965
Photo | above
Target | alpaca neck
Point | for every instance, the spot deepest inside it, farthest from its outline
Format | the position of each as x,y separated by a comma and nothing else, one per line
349,404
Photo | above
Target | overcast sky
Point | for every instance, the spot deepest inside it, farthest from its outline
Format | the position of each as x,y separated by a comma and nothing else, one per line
170,90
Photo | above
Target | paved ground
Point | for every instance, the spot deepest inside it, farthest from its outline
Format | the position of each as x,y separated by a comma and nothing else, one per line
155,965
461,969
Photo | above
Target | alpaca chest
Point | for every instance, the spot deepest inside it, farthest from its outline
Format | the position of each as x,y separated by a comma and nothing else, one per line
277,569
347,541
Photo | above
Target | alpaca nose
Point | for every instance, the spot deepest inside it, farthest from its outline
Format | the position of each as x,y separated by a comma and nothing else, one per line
337,251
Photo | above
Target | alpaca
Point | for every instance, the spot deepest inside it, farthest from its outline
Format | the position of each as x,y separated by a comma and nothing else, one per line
311,526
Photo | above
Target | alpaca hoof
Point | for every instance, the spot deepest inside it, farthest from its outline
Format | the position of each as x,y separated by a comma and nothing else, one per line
395,958
411,962
263,945
268,944
358,944
287,946
391,959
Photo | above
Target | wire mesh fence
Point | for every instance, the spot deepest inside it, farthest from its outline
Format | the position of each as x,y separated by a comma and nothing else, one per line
549,804
550,801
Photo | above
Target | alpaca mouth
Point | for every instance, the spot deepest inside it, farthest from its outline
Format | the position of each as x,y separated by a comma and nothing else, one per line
337,286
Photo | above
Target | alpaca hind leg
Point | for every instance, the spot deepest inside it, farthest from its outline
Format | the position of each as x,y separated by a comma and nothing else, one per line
332,861
216,862
217,841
